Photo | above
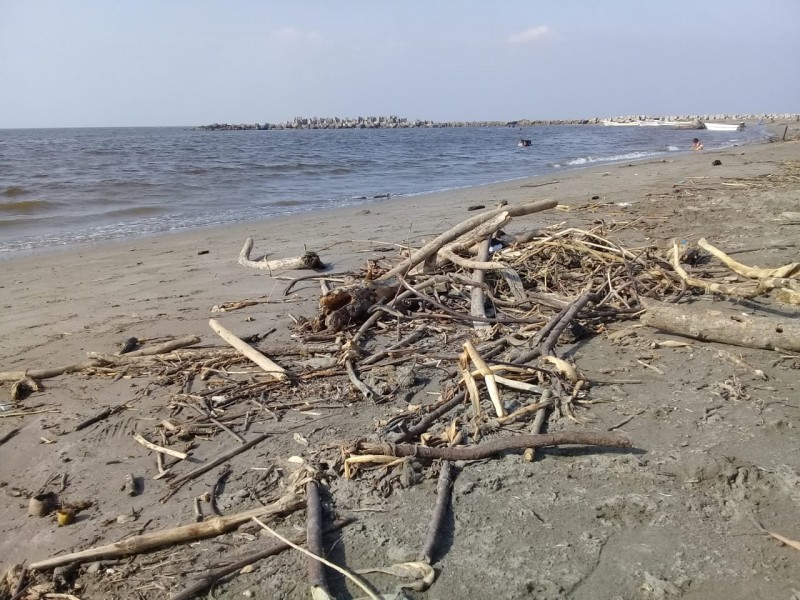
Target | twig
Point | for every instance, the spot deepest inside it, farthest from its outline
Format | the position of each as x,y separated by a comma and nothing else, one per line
176,484
496,446
215,490
152,446
359,385
211,578
357,580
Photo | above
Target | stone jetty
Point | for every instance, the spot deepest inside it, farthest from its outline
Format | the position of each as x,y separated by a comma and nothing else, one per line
394,122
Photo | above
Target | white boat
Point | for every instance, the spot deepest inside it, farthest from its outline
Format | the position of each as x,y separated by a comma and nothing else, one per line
724,126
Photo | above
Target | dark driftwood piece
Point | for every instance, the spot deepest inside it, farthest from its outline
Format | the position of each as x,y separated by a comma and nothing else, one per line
444,489
488,449
208,580
7,436
316,570
717,323
157,539
176,484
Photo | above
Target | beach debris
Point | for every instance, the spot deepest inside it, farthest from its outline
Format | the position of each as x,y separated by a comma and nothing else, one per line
129,485
22,388
781,538
717,323
492,311
42,504
178,535
129,345
309,260
254,355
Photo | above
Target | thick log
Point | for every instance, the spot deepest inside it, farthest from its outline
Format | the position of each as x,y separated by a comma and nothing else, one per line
714,323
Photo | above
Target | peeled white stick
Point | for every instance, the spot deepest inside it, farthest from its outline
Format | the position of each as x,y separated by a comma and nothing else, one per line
488,376
277,371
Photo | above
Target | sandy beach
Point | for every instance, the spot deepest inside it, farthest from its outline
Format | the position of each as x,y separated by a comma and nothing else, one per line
673,519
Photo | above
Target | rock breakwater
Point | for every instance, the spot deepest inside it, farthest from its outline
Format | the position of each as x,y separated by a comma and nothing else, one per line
394,122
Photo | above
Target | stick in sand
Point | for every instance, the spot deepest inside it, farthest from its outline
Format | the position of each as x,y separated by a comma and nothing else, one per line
247,350
357,580
186,533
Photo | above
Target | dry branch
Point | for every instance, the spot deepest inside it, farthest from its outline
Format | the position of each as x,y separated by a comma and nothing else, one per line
488,449
715,324
175,484
434,245
165,347
309,260
155,448
211,578
247,350
785,271
444,489
178,535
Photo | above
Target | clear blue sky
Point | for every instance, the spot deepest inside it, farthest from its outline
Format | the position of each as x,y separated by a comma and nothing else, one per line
190,62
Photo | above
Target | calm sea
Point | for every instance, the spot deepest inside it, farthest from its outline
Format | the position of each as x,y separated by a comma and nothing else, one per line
61,187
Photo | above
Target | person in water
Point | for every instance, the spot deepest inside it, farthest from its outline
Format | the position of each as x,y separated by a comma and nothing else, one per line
697,144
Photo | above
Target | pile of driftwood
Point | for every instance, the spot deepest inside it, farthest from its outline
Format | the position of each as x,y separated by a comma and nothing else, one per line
478,309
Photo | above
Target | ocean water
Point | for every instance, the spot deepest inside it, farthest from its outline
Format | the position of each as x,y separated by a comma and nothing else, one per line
62,187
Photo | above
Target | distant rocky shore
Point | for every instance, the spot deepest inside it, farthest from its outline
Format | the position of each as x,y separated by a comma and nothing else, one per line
393,122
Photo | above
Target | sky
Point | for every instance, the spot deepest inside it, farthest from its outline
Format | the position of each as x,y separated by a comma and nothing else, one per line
109,63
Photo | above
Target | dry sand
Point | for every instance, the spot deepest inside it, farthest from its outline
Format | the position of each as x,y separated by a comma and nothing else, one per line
670,520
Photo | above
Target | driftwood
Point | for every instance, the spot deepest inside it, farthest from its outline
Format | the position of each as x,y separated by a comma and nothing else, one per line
316,570
247,350
175,484
211,578
178,535
785,271
94,362
462,228
47,373
716,324
165,347
485,450
309,260
444,489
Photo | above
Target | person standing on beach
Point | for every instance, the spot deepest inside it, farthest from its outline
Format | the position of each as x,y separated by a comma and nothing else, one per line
697,144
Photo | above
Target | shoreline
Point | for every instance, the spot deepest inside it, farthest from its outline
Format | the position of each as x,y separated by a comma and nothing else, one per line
566,172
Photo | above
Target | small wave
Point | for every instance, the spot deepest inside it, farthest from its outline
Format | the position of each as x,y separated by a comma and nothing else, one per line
14,190
139,211
286,203
26,207
673,149
195,171
585,160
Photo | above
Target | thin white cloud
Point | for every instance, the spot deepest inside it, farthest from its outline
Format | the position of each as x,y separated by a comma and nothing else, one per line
530,36
295,36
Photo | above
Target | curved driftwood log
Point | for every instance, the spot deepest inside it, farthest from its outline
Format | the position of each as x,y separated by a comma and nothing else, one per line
463,228
714,323
309,260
